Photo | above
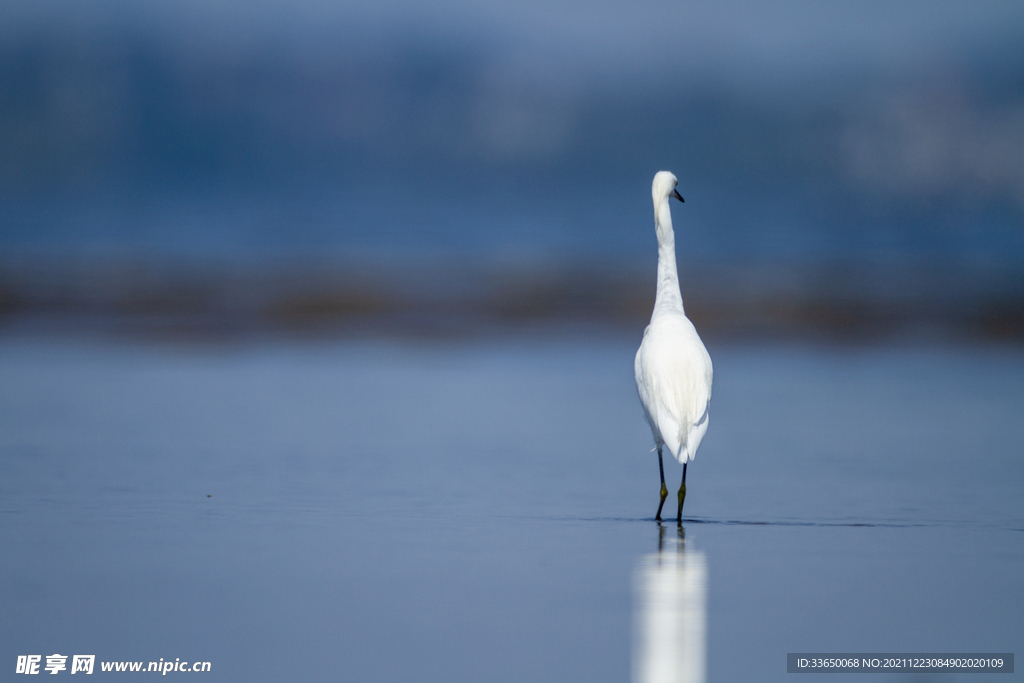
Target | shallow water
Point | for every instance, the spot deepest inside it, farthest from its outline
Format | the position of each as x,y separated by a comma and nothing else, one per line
378,511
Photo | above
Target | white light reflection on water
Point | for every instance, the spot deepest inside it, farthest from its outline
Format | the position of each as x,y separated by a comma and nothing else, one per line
670,612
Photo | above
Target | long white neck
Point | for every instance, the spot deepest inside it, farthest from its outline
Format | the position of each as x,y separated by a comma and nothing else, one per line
668,296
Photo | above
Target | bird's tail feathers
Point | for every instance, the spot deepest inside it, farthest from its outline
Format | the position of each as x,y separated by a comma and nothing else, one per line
679,450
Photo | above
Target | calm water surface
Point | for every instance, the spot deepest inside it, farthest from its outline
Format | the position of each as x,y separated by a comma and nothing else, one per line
480,511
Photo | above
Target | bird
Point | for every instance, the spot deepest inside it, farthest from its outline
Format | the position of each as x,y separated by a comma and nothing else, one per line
673,369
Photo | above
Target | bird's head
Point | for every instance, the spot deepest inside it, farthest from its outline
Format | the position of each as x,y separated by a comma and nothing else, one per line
664,186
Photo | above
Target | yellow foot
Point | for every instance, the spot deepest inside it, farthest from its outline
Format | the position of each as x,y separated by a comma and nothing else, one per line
664,495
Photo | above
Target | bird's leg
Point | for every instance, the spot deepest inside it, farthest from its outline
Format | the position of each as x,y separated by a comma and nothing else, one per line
682,497
664,491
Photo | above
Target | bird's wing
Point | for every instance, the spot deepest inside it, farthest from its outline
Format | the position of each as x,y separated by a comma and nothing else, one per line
673,378
701,405
647,388
696,434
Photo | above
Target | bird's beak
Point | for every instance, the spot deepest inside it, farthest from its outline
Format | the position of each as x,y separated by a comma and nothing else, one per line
675,193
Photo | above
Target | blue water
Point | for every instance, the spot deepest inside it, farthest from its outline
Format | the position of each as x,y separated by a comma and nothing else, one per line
379,511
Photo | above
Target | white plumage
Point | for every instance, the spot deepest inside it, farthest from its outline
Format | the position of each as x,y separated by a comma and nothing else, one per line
673,369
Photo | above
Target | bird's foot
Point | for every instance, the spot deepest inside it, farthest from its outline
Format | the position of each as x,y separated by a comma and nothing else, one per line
682,497
664,495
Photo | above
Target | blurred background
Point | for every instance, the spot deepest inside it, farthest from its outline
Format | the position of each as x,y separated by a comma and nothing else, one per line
851,170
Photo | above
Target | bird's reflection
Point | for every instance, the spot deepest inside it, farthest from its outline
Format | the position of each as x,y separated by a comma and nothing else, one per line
670,589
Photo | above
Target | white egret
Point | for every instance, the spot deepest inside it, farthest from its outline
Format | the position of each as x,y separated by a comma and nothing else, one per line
673,369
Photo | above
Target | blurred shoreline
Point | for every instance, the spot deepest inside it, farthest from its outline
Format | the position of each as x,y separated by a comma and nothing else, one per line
438,298
228,171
